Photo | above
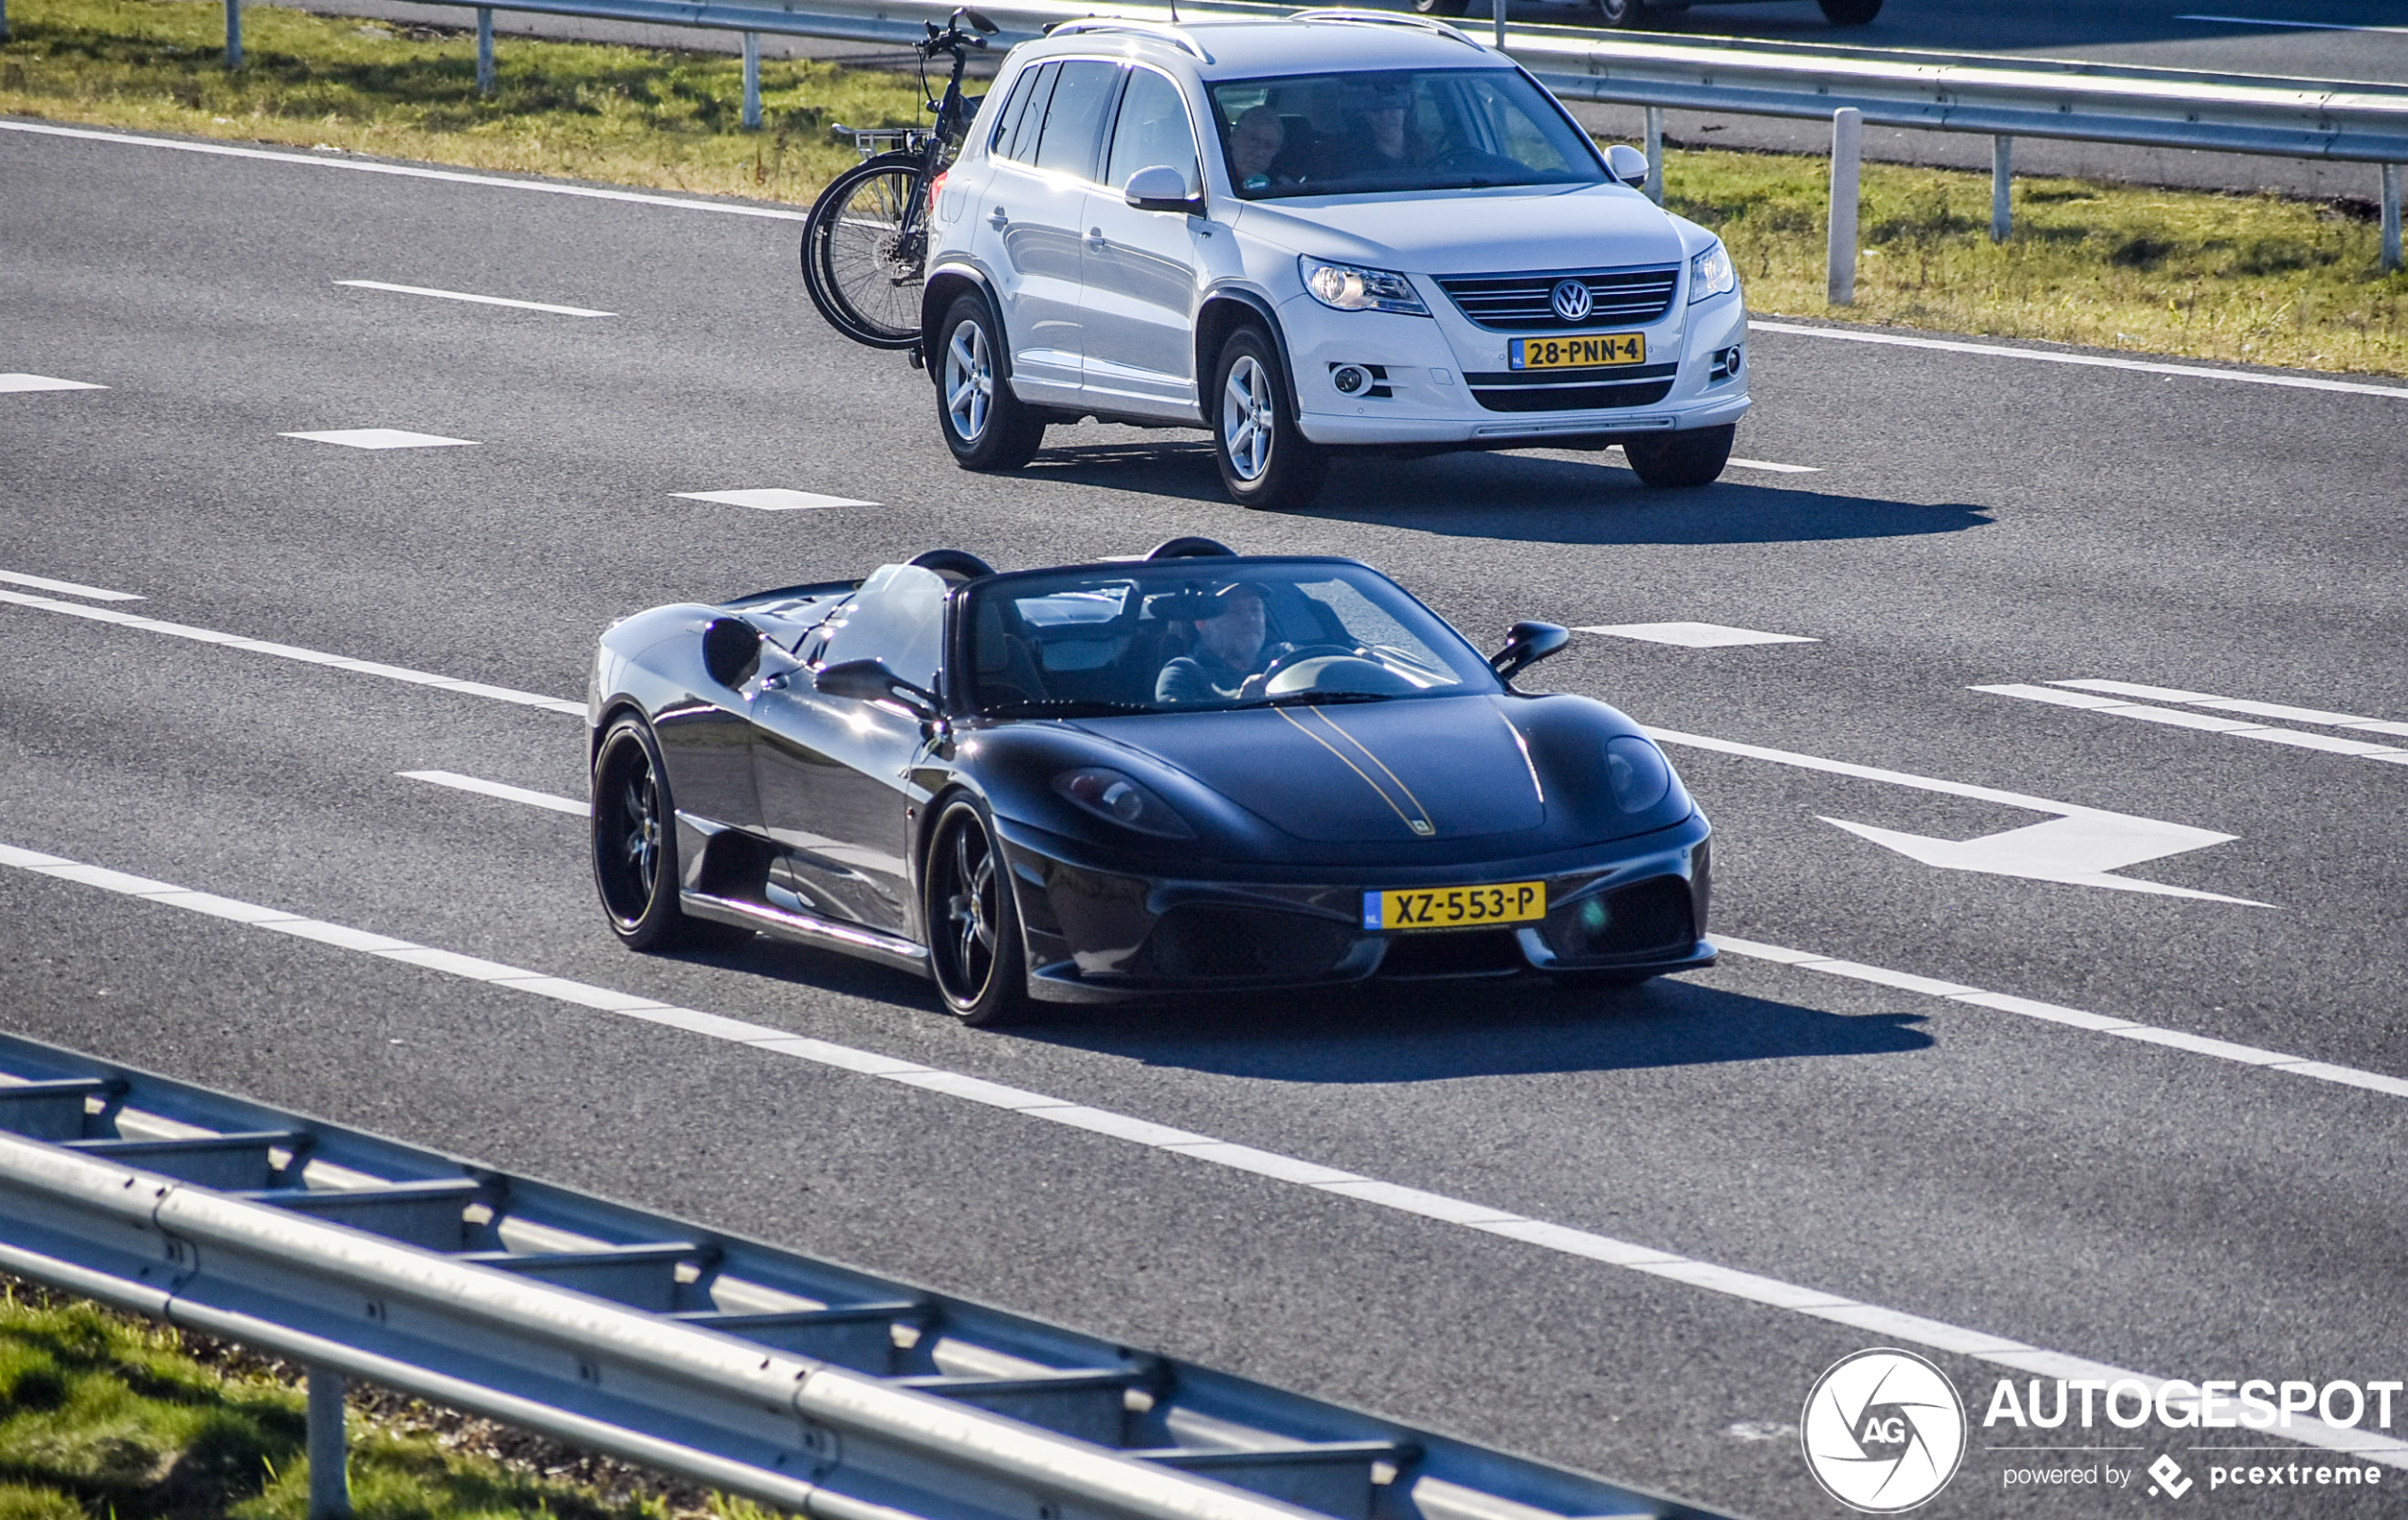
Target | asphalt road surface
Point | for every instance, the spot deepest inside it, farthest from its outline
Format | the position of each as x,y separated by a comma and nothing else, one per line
2170,1143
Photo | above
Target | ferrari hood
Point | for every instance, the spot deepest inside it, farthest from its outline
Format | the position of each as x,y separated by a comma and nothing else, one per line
1443,768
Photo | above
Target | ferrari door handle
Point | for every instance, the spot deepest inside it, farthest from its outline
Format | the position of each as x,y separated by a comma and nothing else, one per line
998,219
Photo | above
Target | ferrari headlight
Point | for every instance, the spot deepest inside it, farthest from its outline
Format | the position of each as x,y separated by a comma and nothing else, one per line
1122,799
1348,287
1711,274
1636,772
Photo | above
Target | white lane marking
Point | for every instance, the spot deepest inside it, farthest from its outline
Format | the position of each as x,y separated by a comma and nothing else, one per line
1693,635
2205,722
1709,1277
68,588
481,301
221,149
289,651
2072,1018
44,382
2197,371
2256,710
503,789
2294,26
2070,855
382,438
771,499
1778,469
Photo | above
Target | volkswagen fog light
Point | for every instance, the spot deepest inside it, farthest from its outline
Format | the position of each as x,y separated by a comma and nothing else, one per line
1349,378
1711,274
1122,799
1346,287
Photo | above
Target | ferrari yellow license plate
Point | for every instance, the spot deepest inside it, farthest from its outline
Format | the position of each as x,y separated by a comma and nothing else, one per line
1577,351
1455,907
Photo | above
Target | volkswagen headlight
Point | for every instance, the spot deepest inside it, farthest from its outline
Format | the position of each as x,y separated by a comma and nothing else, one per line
1350,287
1122,799
1711,274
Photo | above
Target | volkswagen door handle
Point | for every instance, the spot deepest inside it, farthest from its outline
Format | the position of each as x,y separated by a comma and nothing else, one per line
1096,239
998,219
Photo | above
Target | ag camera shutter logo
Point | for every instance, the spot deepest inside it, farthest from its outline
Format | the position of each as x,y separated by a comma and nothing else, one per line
1882,1431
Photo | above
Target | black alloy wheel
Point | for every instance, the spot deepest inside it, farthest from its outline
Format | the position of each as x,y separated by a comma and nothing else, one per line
1265,461
1440,8
985,425
1622,12
1851,12
1695,457
974,925
635,848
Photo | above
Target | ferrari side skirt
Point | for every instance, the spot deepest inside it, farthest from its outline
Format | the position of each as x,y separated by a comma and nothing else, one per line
802,928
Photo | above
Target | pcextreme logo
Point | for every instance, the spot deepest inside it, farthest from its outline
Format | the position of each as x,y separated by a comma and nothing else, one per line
1883,1430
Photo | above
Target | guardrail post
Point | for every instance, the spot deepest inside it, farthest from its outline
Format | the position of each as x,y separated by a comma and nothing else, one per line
4,19
1847,137
2001,184
234,34
752,79
1655,153
329,1479
1497,10
485,50
2391,216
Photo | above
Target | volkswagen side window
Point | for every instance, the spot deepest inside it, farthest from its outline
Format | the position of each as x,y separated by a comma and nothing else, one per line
1074,116
1152,129
1017,140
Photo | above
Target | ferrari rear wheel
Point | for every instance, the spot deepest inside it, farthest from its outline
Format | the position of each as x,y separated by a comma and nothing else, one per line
635,847
974,925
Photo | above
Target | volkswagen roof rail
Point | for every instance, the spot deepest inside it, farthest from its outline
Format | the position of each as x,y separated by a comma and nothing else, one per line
1388,18
1160,31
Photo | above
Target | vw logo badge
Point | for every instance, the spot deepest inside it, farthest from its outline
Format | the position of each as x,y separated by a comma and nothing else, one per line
1571,300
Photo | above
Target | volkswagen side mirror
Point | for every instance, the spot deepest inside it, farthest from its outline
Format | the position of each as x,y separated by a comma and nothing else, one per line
1626,164
1162,188
873,681
1525,645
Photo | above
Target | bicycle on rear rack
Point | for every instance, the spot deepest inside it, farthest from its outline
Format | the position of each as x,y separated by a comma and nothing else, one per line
866,244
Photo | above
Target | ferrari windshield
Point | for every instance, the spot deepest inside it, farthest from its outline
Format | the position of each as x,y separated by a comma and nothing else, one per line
1188,636
1396,130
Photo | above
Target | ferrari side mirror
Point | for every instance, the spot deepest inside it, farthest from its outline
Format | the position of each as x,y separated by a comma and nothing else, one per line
1627,164
872,681
731,650
1525,645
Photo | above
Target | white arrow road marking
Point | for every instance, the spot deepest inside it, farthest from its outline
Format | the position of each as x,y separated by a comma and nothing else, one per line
2078,847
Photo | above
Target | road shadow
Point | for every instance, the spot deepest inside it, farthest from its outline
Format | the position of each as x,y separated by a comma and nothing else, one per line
1524,497
1407,1033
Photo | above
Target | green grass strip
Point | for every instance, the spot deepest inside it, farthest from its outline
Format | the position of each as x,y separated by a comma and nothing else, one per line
2254,278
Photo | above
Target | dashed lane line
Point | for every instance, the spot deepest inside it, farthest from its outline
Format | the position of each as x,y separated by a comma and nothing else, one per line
2285,711
479,301
68,588
16,380
289,651
1693,635
501,789
2204,722
2196,371
454,176
380,438
1895,1325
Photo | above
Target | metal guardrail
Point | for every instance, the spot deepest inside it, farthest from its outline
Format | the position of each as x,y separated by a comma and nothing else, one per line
793,1382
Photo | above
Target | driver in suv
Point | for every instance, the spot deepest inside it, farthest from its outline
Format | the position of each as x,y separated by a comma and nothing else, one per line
1339,230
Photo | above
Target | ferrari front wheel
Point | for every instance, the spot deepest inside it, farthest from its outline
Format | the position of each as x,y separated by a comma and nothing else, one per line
974,925
635,847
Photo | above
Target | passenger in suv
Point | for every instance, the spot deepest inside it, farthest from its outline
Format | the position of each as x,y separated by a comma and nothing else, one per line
1340,230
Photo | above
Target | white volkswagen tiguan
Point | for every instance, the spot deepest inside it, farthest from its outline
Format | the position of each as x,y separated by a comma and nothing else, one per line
1335,231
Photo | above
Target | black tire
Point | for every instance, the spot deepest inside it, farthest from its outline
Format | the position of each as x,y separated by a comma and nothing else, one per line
1622,12
1676,459
1440,8
635,847
1851,12
864,270
974,925
1264,462
985,425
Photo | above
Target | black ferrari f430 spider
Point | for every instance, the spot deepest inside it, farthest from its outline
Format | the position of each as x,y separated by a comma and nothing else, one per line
1192,772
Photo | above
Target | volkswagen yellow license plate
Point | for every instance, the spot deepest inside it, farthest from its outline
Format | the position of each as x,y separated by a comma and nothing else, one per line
1455,907
1577,351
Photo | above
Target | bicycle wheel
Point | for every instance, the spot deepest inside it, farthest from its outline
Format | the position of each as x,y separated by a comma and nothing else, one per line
863,251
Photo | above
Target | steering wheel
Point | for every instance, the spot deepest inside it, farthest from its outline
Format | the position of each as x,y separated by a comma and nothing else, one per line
1300,654
1455,160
